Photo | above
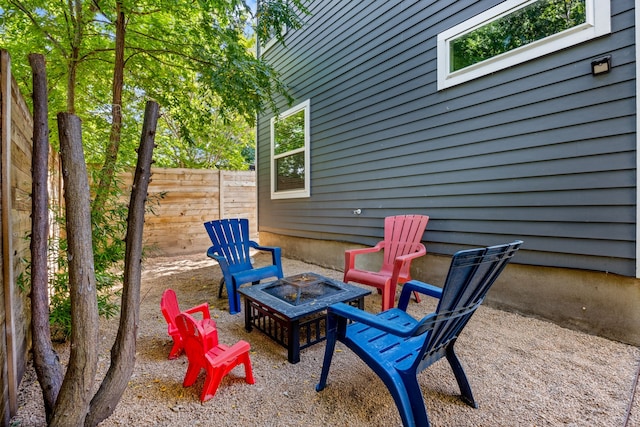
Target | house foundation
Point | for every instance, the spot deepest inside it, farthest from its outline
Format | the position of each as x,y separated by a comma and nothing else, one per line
598,303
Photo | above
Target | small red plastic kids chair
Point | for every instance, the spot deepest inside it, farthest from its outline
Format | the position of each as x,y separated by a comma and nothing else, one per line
217,361
170,310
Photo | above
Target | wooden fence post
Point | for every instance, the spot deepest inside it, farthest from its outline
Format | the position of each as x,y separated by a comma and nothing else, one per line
221,194
8,278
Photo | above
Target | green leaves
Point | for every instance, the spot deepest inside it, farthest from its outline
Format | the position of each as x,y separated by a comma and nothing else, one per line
274,15
194,58
533,22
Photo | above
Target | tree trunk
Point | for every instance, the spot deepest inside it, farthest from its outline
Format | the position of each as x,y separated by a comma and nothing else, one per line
77,22
113,146
123,351
73,400
45,359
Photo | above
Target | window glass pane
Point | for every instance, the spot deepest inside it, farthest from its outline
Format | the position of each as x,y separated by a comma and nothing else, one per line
527,25
289,133
290,172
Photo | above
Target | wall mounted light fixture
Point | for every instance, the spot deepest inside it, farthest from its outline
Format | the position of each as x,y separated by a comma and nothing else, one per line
601,66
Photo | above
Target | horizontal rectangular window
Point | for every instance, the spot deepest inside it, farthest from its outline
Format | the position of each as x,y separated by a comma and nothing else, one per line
514,32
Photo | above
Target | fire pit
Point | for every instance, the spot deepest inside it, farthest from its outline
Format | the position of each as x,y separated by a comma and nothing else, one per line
291,311
302,288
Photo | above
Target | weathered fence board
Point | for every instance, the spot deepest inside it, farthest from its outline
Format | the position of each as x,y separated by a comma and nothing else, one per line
189,198
15,175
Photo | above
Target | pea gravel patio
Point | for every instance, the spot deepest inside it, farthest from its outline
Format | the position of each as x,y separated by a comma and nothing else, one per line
523,371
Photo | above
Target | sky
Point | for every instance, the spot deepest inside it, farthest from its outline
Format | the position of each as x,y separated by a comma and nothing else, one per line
252,5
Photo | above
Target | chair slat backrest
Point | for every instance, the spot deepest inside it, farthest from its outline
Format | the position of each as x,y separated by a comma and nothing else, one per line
169,306
402,235
230,239
470,276
192,337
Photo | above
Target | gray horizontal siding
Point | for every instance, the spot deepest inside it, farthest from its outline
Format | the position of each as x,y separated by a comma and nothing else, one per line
542,151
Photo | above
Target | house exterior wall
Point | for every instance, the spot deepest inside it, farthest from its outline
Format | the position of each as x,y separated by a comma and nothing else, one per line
542,151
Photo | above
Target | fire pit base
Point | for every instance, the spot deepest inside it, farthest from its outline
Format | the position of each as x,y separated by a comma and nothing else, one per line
291,311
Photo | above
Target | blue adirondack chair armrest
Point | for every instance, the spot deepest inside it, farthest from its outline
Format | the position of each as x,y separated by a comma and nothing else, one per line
418,286
224,264
272,249
211,253
355,314
275,251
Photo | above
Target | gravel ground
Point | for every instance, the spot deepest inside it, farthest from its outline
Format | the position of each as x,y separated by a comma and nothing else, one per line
523,371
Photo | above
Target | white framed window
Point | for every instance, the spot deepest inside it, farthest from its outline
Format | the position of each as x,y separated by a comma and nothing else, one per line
290,153
516,31
273,40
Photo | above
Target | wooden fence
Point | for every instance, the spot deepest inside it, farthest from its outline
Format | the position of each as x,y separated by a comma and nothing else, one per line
181,200
16,129
189,198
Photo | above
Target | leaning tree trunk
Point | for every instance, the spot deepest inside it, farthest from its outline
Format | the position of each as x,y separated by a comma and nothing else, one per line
45,359
73,400
123,351
113,145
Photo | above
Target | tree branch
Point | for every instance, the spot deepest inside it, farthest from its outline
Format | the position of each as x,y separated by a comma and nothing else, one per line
33,20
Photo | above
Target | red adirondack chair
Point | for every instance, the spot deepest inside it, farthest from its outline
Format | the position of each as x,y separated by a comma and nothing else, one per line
217,361
170,310
401,244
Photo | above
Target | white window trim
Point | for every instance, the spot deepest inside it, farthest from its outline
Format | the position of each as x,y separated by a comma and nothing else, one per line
598,23
306,192
273,40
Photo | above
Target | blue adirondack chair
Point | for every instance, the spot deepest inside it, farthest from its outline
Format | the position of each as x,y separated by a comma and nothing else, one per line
231,248
397,347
